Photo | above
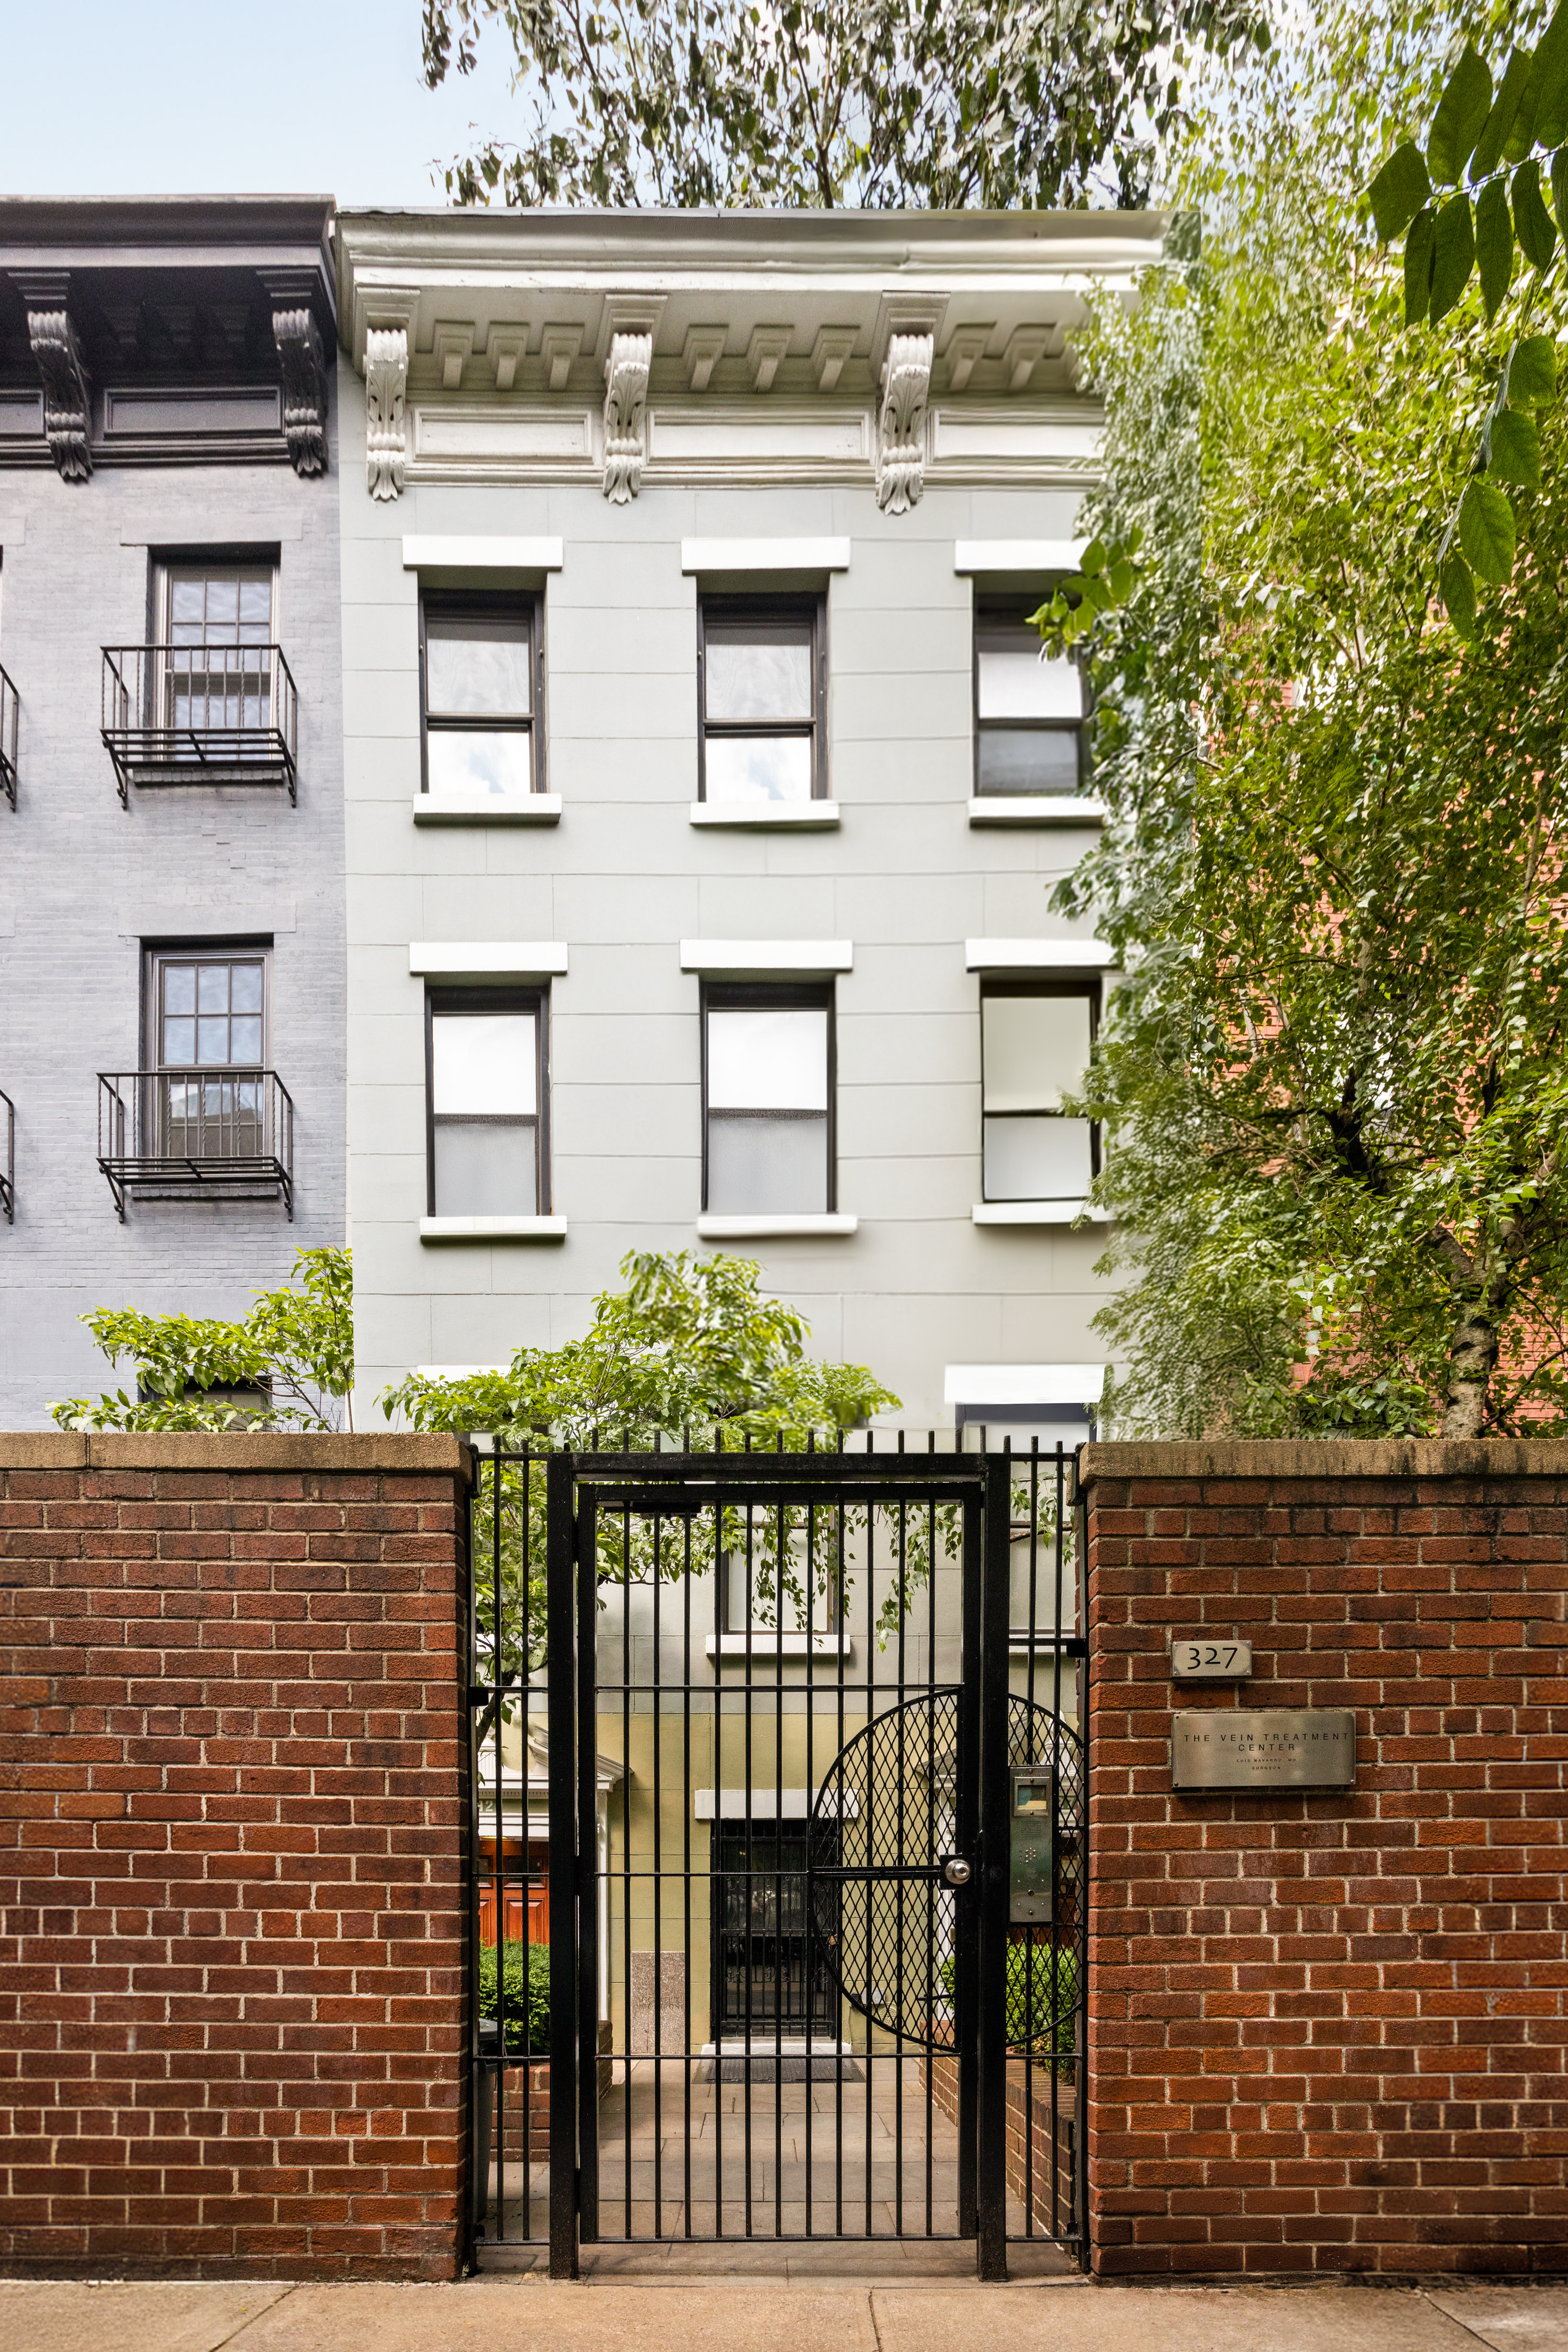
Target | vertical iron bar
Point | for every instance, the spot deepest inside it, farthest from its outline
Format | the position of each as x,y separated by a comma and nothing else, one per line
561,1692
967,1839
991,2115
587,1888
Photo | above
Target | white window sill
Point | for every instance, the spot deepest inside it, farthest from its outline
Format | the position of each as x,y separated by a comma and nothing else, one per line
768,816
759,1227
1036,1213
778,1645
487,808
1035,808
492,1229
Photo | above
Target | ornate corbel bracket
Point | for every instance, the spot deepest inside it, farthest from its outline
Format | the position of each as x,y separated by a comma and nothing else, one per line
302,359
901,428
386,383
66,401
625,398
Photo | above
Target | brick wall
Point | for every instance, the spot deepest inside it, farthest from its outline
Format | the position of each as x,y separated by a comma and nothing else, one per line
1330,2033
231,1925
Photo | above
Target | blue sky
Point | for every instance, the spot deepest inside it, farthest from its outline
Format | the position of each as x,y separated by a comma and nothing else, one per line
171,97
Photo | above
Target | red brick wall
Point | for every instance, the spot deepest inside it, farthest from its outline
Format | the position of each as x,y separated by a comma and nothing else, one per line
1330,2033
231,1925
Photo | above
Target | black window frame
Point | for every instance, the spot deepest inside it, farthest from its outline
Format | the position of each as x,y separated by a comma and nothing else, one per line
1013,612
503,604
1088,992
809,606
777,996
440,1000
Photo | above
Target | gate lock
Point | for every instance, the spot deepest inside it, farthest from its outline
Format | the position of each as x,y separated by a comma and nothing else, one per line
1031,1844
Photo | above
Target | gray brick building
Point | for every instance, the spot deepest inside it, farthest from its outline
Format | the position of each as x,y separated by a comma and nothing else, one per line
172,924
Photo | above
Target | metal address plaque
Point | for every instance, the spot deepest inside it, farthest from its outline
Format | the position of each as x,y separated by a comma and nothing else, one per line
1263,1748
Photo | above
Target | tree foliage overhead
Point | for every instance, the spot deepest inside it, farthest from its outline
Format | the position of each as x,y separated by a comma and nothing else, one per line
1461,241
289,1365
1333,1078
943,103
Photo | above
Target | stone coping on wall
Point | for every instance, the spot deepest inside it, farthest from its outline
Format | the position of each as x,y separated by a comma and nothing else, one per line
1334,1458
240,1450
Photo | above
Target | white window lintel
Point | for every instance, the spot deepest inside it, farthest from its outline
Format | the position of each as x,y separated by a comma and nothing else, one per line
486,958
1038,955
488,552
727,555
1024,556
756,956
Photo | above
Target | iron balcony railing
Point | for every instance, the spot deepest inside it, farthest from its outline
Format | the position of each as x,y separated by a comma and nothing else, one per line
199,715
8,1159
197,1133
8,709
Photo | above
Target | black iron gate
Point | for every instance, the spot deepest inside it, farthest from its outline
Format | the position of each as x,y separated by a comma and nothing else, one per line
783,1819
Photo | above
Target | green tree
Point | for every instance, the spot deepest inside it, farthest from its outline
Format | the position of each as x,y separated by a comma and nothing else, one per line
689,1353
289,1365
885,102
1333,1076
1463,244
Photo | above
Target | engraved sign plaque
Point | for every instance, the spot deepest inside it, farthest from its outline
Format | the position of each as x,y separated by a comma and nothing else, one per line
1210,1661
1263,1748
1031,1857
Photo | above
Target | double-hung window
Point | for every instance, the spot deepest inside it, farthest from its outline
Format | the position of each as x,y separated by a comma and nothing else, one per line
207,1014
761,684
482,673
767,1094
1028,711
1035,1044
215,638
487,1091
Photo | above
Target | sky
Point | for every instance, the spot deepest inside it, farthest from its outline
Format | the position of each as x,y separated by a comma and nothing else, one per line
129,98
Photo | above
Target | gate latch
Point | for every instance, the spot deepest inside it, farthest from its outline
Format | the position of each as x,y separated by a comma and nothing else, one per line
1031,1844
958,1872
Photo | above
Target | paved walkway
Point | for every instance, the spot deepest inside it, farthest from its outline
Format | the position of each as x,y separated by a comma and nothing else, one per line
519,2314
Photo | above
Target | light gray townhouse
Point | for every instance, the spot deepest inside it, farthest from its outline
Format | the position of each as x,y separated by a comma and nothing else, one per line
172,940
705,788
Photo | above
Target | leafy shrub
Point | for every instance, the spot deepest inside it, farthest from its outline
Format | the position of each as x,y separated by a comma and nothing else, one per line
526,1986
1042,1997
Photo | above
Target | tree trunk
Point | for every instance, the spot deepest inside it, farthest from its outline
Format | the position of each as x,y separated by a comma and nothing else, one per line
1472,1360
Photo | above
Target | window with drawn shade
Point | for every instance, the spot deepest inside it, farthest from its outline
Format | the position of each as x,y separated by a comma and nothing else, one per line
1028,712
484,1090
768,1096
761,690
1034,1049
481,696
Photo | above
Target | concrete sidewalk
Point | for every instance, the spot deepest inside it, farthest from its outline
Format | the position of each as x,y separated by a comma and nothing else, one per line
519,2314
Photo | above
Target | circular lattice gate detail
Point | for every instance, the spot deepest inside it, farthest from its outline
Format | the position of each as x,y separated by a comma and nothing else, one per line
883,1914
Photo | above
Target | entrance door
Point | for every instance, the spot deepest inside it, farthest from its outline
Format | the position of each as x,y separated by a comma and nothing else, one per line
770,1976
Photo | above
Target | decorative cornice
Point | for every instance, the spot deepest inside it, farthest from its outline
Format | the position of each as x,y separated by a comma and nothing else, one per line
303,362
901,428
386,381
63,371
625,438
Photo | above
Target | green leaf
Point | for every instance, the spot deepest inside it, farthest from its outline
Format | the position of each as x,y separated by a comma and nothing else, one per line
1453,256
1486,531
1516,448
1559,183
1092,562
1461,113
1532,373
1459,592
1494,244
1499,121
1121,579
1537,230
1399,190
1418,250
1548,120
